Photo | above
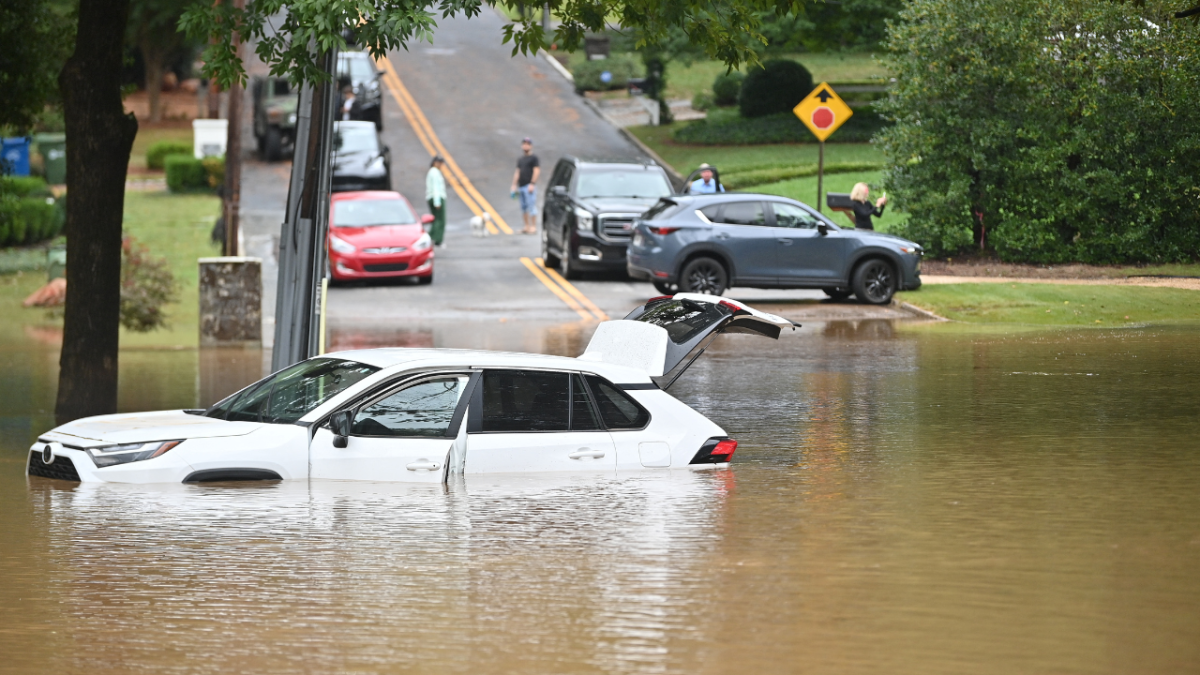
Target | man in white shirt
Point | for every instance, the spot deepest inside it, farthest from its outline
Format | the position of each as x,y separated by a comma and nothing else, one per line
435,196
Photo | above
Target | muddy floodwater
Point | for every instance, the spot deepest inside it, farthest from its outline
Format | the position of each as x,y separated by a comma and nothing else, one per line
905,499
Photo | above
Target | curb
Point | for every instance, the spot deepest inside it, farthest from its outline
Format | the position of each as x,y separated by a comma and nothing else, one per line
923,312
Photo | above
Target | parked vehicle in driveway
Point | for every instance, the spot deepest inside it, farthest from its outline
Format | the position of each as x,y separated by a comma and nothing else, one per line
588,215
708,243
357,70
376,235
360,160
423,415
274,116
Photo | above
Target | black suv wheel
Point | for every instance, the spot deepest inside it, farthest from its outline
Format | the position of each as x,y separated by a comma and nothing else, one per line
548,258
704,275
874,282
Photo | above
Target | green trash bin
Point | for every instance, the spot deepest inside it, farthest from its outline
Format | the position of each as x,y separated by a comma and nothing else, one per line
53,149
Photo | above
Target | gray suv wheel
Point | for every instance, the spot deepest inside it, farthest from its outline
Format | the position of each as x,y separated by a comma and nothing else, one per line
703,275
874,282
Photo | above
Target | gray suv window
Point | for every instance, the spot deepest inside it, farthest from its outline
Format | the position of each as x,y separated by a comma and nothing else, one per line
744,213
787,215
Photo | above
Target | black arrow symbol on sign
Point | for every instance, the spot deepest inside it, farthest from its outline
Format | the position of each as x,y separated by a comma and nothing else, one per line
824,96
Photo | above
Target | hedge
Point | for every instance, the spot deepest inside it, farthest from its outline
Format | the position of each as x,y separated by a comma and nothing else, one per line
185,173
621,66
28,212
157,154
773,89
741,180
778,128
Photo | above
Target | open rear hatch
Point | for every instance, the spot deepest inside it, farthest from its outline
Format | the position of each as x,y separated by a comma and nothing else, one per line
668,333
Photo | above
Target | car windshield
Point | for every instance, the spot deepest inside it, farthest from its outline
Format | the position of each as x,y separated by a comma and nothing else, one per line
349,138
683,319
371,212
634,184
357,67
292,393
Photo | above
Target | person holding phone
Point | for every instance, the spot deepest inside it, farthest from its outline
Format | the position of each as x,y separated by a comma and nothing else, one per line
862,207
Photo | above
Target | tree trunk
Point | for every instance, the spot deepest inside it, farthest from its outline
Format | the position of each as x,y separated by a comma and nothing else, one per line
99,140
153,58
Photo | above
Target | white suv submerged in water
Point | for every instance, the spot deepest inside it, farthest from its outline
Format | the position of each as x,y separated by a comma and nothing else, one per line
422,415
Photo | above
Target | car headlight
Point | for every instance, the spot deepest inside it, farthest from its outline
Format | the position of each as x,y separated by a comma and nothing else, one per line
583,219
423,243
911,250
130,452
341,245
292,118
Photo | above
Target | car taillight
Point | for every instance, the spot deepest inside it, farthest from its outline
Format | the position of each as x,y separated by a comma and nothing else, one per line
715,451
661,230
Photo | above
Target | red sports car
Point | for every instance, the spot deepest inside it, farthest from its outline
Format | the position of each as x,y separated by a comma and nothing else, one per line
375,235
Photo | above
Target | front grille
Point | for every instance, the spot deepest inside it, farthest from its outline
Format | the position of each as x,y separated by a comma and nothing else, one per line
617,228
61,469
386,267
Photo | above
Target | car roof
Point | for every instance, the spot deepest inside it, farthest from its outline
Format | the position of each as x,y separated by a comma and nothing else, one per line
355,123
365,194
402,358
619,162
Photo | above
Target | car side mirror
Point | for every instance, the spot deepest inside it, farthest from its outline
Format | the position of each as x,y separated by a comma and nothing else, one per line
339,423
822,229
559,190
426,220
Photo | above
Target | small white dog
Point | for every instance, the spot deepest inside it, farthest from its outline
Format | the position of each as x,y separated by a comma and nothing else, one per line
479,225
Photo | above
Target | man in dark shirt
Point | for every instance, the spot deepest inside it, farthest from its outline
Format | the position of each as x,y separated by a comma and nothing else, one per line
524,185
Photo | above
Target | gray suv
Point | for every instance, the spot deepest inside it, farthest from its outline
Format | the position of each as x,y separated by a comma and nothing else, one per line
707,243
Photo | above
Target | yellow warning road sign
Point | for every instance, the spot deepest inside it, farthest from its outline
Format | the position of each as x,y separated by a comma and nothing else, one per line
823,111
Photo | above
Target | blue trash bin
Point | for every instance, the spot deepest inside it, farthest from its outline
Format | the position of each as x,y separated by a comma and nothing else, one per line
14,158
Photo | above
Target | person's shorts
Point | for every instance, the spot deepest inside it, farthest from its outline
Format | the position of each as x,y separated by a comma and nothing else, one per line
528,200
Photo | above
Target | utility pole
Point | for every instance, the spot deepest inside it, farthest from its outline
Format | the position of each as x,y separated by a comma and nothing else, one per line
233,154
302,260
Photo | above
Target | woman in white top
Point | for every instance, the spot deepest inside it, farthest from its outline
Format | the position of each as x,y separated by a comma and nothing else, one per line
435,196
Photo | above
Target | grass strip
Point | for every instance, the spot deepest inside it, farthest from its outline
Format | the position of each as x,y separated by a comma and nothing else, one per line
740,180
1101,306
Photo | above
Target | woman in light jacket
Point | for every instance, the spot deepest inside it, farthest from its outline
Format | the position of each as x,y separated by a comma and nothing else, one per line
863,210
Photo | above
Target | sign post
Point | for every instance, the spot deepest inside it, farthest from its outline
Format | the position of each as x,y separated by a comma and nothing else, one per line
822,111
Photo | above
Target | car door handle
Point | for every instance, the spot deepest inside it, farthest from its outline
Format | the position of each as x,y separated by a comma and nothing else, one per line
722,235
423,465
785,242
586,453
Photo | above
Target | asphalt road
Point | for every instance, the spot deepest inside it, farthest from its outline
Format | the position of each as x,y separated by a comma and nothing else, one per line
467,97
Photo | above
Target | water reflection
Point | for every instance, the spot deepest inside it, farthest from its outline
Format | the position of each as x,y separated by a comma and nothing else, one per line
904,501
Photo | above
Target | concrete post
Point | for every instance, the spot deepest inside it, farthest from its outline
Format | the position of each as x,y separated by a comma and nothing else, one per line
230,301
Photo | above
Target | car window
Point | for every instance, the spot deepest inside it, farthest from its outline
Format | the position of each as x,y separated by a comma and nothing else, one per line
788,215
355,138
583,414
369,212
744,213
665,208
421,409
617,409
614,183
525,400
280,88
293,392
713,213
683,319
357,67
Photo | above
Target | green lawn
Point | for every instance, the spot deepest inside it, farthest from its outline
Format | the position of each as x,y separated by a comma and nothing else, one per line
731,158
1057,304
687,80
175,227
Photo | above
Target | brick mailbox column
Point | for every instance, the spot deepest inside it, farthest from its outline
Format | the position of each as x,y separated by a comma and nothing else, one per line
230,301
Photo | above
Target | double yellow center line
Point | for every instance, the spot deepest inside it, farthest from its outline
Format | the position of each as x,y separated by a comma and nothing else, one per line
458,180
551,279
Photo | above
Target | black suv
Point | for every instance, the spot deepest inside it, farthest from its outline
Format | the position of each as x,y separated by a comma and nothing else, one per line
590,208
357,69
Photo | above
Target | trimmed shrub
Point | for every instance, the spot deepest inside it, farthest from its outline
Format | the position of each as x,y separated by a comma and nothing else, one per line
726,88
146,286
703,101
621,66
185,173
157,154
778,128
28,211
214,171
775,88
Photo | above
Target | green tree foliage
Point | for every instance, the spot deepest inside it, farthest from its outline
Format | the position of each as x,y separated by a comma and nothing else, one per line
35,39
729,31
153,26
1046,130
825,26
776,87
